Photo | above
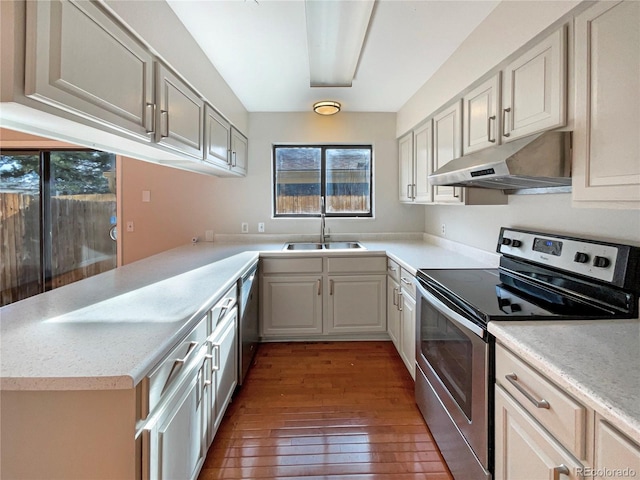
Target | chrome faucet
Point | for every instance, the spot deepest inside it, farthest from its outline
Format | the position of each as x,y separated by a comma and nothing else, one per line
323,237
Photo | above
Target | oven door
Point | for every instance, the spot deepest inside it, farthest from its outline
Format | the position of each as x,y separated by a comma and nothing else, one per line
452,384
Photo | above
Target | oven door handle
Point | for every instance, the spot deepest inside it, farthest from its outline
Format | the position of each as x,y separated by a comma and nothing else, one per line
443,309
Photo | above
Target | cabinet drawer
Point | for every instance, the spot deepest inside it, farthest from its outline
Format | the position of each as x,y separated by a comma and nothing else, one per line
559,413
222,307
407,283
169,369
292,265
393,269
356,264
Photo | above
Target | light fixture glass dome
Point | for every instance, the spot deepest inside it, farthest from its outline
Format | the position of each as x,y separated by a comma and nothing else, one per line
326,108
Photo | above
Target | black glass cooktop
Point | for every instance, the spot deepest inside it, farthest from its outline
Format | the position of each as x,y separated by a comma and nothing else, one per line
493,294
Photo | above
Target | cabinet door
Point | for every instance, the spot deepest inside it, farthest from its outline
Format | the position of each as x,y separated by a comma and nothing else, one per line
357,304
614,453
80,60
239,152
447,143
405,166
217,139
606,156
480,125
534,93
408,332
523,449
180,114
291,305
224,367
175,437
423,163
393,313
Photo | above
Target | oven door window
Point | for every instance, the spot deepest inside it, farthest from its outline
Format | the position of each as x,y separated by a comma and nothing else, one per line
449,353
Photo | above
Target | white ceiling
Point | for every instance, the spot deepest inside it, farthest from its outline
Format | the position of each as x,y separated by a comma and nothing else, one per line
260,49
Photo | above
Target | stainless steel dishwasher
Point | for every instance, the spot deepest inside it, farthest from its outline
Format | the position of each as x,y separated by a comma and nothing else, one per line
248,327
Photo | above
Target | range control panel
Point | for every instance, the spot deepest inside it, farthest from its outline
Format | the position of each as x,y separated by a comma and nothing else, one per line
584,257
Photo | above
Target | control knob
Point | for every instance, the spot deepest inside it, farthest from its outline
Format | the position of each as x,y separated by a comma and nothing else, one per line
601,262
581,257
509,241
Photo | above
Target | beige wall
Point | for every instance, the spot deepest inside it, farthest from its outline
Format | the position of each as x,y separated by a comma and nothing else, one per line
182,206
249,199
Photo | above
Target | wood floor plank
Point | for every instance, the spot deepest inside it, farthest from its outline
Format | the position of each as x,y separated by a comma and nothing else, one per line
325,410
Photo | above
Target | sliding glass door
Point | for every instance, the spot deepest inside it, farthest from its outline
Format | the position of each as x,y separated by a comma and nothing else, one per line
58,217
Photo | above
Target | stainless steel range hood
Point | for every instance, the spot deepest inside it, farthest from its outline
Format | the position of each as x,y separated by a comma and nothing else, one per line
541,162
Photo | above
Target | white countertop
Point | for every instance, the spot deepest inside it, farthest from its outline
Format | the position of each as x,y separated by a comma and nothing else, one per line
108,331
597,362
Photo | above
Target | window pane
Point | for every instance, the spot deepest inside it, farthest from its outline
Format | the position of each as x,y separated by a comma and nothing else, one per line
298,180
83,210
348,180
20,275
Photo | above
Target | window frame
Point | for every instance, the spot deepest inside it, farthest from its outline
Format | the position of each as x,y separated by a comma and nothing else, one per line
323,181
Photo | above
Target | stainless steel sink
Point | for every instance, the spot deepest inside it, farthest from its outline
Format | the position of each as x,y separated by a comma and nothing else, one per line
342,245
321,246
303,246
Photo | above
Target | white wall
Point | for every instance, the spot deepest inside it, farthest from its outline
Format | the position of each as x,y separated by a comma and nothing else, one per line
249,199
479,226
161,29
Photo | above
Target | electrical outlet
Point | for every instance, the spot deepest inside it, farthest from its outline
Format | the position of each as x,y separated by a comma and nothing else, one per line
208,235
261,227
245,227
129,226
443,229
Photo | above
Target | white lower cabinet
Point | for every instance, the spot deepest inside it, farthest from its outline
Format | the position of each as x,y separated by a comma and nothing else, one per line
356,303
616,455
320,296
408,331
401,313
541,432
291,305
223,370
393,313
175,437
524,450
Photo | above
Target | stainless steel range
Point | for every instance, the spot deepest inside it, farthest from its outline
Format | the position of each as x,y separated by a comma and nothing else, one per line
541,277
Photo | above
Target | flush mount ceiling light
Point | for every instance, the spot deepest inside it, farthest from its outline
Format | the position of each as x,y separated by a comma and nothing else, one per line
326,108
335,35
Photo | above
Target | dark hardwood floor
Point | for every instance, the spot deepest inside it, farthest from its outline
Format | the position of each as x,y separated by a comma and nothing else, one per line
330,410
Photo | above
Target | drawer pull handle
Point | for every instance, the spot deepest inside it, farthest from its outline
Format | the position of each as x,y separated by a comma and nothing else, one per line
513,380
400,301
561,469
190,350
393,269
395,296
406,281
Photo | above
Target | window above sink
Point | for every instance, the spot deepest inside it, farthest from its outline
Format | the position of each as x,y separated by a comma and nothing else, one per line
315,180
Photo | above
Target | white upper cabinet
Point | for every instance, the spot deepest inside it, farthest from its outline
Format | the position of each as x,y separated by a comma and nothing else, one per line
606,155
423,163
480,121
405,164
534,89
180,114
217,138
447,143
415,160
79,60
239,152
